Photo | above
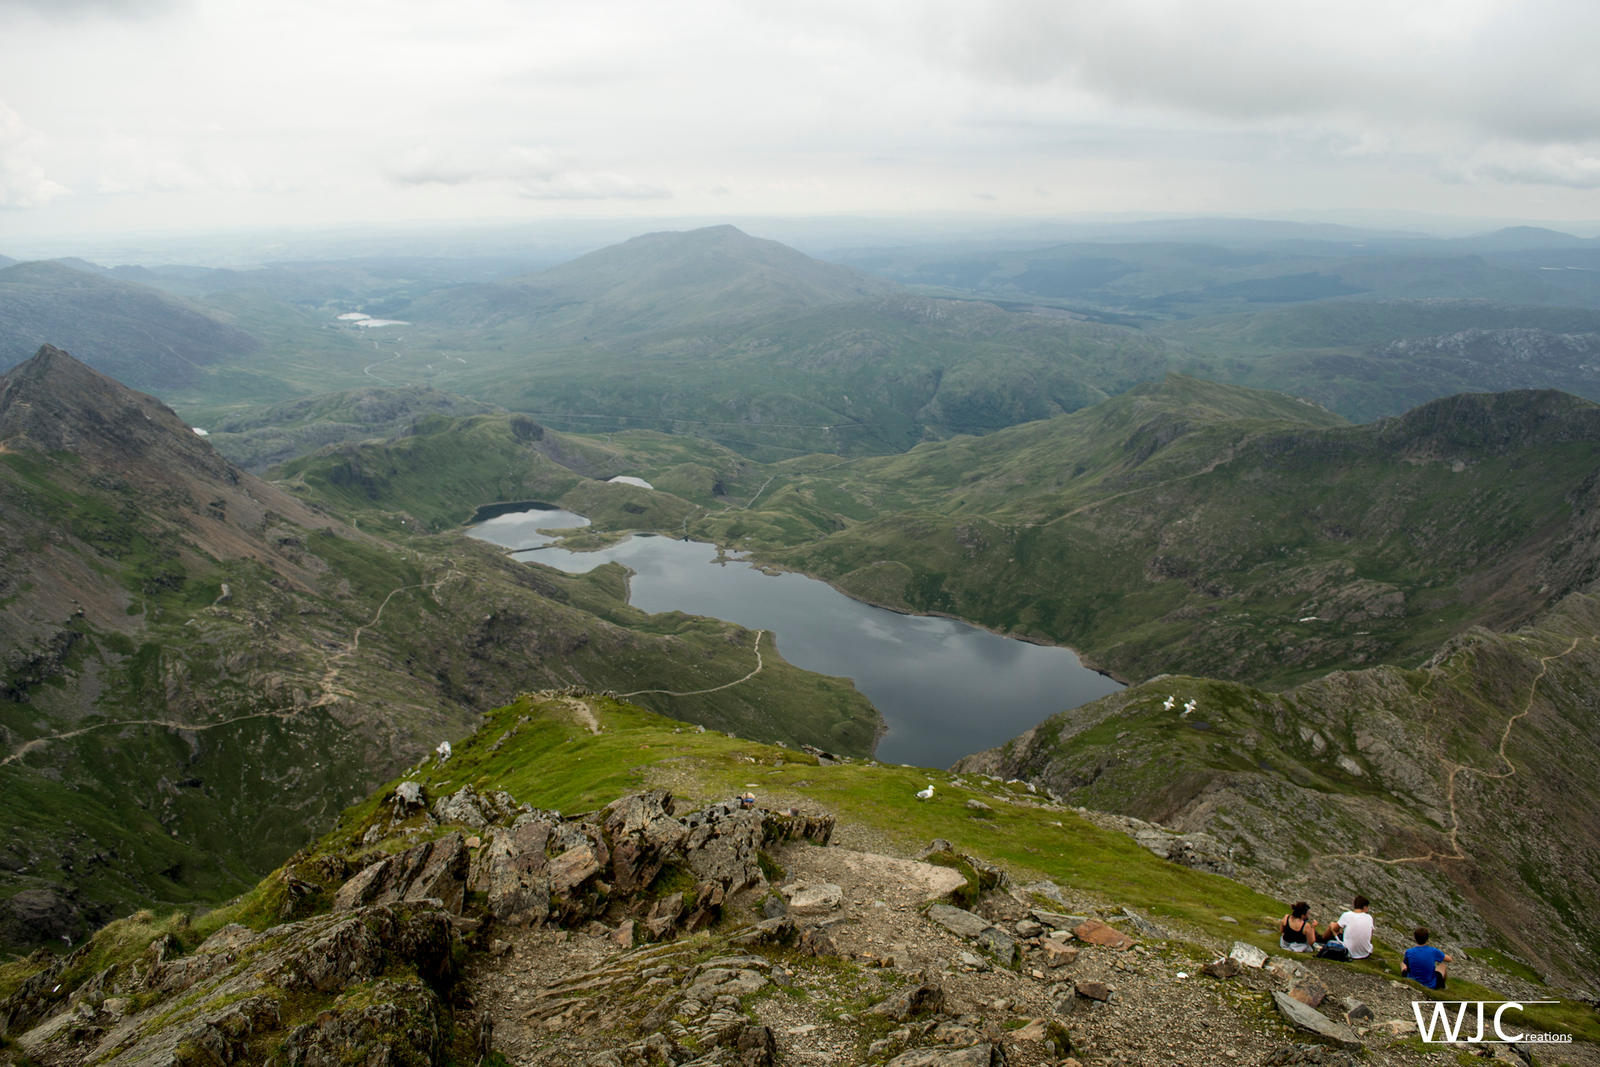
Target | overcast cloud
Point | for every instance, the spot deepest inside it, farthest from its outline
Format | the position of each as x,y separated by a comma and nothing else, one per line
196,113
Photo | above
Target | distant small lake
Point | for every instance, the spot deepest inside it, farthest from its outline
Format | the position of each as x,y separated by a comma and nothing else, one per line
520,528
945,689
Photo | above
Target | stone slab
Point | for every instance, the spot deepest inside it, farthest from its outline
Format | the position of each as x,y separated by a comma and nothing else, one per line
1094,932
1312,1021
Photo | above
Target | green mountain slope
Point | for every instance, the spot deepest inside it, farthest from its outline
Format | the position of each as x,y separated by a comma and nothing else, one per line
263,437
1463,791
1207,529
201,667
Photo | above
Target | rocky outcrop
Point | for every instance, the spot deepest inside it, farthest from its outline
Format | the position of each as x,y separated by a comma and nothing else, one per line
434,870
369,975
534,867
325,987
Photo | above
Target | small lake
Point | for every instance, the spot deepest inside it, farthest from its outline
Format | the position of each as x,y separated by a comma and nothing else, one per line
945,689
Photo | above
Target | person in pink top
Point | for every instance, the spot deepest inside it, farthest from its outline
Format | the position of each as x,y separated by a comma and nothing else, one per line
1354,928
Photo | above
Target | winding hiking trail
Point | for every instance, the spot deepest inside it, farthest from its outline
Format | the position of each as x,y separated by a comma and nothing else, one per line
168,723
714,689
330,691
1457,853
330,694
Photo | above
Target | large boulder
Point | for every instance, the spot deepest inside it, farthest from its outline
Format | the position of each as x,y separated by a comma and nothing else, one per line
1310,1020
644,836
512,871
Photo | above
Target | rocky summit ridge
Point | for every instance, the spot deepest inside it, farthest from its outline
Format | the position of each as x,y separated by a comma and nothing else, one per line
459,925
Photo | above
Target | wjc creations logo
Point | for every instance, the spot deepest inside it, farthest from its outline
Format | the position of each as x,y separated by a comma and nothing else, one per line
1451,1020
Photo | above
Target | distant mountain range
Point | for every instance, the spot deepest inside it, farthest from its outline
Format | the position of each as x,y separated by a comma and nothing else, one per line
718,334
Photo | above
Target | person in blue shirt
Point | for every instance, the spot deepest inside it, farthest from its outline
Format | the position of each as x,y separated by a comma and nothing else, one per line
1423,963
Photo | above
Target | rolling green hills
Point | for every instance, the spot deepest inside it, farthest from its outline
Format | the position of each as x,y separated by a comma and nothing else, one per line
1185,526
1206,529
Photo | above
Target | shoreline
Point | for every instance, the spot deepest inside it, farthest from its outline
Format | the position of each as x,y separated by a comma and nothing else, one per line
726,554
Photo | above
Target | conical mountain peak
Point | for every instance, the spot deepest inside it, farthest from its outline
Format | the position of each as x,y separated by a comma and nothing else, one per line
56,403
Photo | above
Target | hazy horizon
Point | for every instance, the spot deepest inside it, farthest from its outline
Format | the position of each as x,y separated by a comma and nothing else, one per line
185,117
564,238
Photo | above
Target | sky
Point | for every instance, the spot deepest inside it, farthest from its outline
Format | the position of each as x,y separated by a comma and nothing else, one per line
150,115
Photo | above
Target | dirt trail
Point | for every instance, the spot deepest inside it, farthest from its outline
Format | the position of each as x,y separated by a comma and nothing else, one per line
714,689
582,713
330,694
1455,770
171,724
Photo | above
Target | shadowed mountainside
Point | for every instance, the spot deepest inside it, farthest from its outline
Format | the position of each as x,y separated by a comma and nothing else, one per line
135,334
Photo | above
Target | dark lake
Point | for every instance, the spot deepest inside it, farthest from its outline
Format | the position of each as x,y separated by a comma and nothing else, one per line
944,688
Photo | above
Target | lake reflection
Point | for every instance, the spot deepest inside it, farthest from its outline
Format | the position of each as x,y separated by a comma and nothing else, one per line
944,688
520,529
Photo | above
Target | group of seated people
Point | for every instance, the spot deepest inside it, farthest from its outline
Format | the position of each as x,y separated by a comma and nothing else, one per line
1350,937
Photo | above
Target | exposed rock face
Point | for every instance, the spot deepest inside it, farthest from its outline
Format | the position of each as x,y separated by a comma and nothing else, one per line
644,834
376,966
466,808
539,866
240,985
39,913
434,870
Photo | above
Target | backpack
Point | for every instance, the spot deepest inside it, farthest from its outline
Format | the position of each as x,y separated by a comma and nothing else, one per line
1334,950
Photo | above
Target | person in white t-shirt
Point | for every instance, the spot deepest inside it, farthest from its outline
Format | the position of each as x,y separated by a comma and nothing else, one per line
1354,928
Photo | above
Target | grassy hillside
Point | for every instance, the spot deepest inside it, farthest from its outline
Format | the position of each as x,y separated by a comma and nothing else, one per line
575,753
1461,791
266,436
